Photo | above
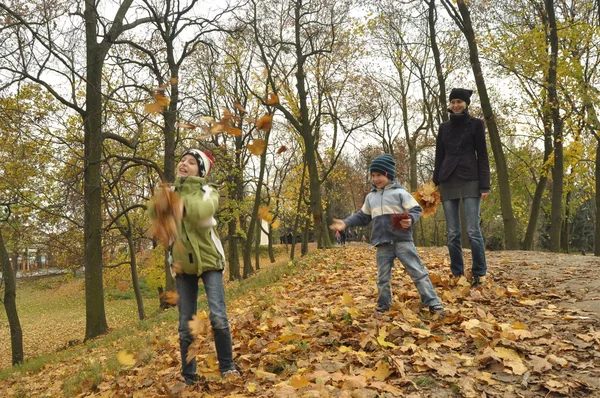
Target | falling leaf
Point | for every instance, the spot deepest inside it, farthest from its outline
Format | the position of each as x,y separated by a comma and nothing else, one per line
265,122
200,325
173,80
161,99
125,358
171,297
189,126
282,149
233,131
217,129
257,147
272,100
154,107
275,224
239,107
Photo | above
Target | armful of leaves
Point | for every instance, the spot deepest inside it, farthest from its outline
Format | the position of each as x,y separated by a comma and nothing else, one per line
428,197
165,212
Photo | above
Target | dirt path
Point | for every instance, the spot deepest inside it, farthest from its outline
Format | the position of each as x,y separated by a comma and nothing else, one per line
575,279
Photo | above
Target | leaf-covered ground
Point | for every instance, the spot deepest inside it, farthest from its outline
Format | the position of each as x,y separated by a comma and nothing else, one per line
532,330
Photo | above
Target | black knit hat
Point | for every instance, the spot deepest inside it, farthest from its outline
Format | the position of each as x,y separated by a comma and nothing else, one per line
384,164
461,94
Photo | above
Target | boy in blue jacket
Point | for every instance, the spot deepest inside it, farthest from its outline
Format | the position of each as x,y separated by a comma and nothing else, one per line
387,198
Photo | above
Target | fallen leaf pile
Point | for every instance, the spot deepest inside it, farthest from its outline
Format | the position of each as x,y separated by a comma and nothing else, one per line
315,333
428,197
167,207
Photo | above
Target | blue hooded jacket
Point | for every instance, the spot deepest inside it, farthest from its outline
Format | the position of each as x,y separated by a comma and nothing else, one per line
380,205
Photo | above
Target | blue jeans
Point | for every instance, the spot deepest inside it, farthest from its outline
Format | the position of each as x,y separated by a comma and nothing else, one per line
187,288
408,256
452,213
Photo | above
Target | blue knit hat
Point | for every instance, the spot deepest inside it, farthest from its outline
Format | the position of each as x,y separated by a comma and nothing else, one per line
384,164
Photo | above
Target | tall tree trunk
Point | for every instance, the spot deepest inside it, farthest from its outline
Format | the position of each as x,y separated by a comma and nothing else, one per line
431,20
298,210
10,305
135,280
597,236
95,317
254,218
558,167
536,205
169,133
232,249
464,23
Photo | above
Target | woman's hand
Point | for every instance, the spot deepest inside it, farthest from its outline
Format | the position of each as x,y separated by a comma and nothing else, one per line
485,195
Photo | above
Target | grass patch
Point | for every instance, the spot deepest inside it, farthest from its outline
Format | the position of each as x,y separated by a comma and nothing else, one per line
135,336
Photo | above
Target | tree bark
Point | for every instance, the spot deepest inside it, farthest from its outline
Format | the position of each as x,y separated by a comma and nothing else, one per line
442,99
558,166
10,305
92,121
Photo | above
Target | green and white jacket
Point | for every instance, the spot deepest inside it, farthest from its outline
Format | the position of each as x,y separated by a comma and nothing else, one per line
198,248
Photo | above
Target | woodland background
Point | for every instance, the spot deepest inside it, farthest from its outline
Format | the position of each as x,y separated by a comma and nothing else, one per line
294,99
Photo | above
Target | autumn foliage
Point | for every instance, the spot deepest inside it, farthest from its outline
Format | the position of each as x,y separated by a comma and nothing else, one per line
167,208
428,197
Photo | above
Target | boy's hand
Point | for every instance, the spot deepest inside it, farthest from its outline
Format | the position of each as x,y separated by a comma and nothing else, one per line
338,225
405,223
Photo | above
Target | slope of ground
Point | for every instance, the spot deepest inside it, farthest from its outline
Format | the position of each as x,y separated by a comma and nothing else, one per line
532,330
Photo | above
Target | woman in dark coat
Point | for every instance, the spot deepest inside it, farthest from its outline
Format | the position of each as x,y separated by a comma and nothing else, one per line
462,171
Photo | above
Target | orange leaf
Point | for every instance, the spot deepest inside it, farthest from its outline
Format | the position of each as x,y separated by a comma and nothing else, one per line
265,122
257,147
272,100
217,129
154,107
174,80
233,131
282,149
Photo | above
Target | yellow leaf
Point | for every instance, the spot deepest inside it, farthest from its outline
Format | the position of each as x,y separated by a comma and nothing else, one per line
347,299
275,224
251,387
125,358
154,107
299,381
257,147
199,325
383,371
381,338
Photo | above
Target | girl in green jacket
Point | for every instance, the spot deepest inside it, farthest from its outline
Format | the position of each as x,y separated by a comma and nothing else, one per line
196,254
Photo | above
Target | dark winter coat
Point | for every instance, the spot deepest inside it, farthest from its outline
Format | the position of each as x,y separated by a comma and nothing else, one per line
461,151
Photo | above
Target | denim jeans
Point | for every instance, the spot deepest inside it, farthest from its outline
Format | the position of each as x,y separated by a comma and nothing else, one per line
187,288
452,213
408,256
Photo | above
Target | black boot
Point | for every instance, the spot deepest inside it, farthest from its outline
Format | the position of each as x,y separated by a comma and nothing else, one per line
476,282
224,350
